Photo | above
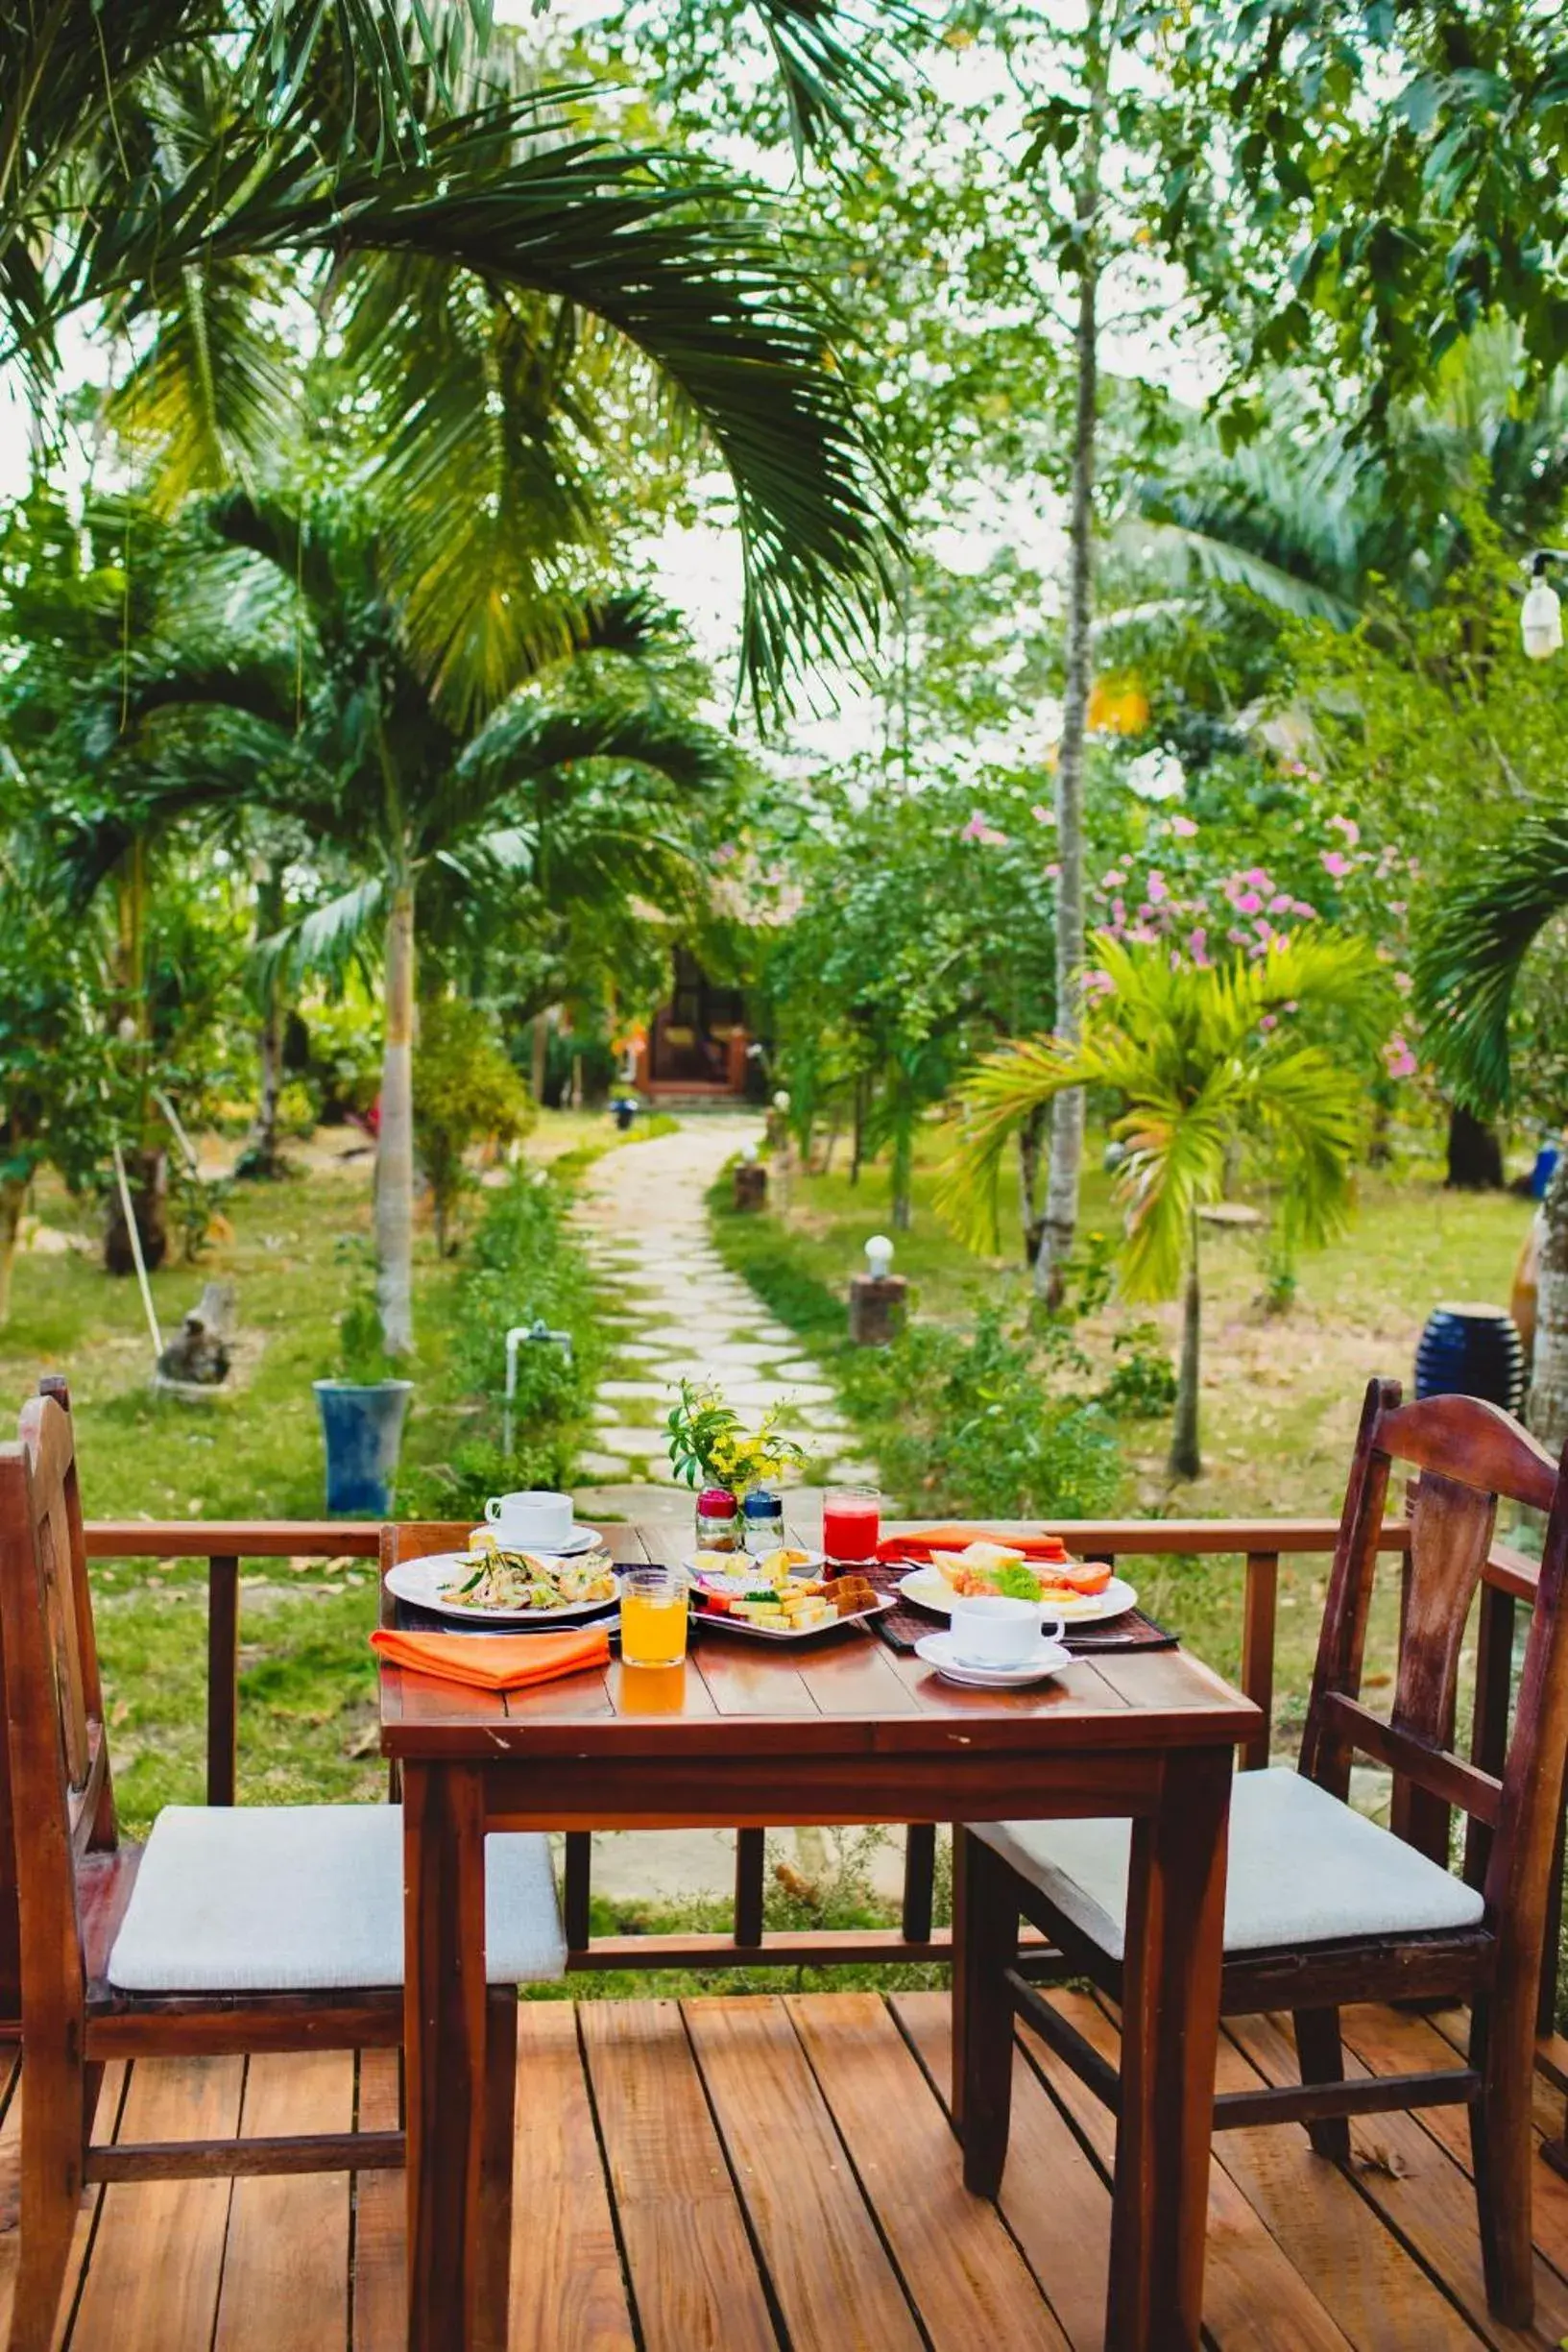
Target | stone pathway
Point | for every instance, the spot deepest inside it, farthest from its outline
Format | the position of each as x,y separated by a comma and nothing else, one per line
681,1313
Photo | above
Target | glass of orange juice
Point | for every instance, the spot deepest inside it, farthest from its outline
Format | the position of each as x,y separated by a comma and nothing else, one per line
653,1604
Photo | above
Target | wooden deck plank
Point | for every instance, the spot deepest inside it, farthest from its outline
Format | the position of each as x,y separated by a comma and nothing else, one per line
381,2204
1253,2299
1378,2294
567,2282
1398,2042
1055,2202
829,2271
285,2270
694,2279
152,2283
961,2267
1426,2198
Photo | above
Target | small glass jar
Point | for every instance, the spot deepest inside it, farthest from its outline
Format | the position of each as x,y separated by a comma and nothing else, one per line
763,1526
718,1520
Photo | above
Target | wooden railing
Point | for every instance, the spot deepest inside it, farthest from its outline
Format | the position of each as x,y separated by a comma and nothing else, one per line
1262,1544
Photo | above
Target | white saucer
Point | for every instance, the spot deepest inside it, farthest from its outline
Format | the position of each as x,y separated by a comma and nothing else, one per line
581,1539
936,1649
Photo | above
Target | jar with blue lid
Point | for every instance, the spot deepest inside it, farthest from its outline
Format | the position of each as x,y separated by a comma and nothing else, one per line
763,1517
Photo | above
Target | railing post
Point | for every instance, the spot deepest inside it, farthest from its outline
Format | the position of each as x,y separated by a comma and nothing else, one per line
1258,1605
222,1678
919,1880
749,1847
579,1888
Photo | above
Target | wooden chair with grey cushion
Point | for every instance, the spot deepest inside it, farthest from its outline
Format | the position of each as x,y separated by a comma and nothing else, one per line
231,1930
1322,1905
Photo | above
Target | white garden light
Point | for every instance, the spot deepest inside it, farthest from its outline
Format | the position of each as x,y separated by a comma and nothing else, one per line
1540,617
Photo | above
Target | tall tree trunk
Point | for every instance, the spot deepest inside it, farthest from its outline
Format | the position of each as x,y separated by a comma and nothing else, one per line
538,1048
1475,1154
13,1201
395,1138
146,1180
261,1155
1185,1461
904,1164
1061,1217
858,1136
1031,1147
1549,1378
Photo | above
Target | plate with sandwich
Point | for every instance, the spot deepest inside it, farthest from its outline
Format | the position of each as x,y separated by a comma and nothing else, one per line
1077,1591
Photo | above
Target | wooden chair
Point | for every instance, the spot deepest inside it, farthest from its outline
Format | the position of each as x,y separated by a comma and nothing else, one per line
1323,1906
232,1930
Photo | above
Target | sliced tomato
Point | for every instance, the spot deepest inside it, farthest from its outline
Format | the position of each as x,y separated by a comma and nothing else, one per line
1085,1576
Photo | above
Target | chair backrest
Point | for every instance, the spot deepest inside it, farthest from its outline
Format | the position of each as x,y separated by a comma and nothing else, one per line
61,1796
1467,1455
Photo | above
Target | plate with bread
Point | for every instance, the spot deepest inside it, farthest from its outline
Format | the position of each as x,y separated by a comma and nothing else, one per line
1077,1591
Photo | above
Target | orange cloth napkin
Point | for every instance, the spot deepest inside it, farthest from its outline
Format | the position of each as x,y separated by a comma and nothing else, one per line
494,1661
922,1541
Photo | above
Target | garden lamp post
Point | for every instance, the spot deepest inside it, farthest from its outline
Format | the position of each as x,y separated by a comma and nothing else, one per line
1540,617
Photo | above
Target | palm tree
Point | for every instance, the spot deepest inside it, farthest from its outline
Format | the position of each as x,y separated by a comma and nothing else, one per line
578,790
158,161
1466,969
1198,1055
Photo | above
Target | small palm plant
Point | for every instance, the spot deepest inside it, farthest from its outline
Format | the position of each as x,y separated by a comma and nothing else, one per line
1197,1055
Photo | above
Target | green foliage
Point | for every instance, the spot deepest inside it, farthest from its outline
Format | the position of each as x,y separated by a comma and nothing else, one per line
966,1425
708,1440
466,1092
1202,1056
336,1049
361,1356
521,1265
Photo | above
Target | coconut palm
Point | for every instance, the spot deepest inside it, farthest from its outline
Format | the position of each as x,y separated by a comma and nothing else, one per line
577,791
1466,970
1197,1055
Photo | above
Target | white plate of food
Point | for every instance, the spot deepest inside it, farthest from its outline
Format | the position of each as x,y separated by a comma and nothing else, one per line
793,1610
492,1586
737,1573
1078,1592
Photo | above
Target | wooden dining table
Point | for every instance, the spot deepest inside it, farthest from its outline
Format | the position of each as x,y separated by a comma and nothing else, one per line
840,1730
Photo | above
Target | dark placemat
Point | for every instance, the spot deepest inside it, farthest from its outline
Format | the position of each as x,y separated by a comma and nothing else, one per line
412,1619
906,1624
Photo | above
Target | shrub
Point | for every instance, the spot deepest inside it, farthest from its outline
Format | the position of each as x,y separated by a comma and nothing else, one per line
966,1425
465,1091
521,1267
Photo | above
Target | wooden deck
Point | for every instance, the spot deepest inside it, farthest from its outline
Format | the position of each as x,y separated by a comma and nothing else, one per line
739,2175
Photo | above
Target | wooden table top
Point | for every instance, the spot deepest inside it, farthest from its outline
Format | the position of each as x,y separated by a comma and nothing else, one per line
841,1693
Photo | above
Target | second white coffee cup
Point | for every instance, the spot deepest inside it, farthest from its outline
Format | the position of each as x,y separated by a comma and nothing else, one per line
536,1521
990,1630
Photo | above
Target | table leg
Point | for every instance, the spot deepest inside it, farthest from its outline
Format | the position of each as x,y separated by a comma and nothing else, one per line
444,2049
1169,2041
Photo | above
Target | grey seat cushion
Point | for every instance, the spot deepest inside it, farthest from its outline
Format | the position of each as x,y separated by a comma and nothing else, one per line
309,1898
1303,1869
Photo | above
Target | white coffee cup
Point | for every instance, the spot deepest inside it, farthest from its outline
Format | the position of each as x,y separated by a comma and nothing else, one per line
532,1522
990,1630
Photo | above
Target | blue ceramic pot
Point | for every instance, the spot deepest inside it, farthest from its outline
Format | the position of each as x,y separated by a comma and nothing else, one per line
1471,1351
363,1427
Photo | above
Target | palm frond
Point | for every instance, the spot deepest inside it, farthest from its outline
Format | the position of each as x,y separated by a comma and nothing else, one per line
685,270
1468,958
330,938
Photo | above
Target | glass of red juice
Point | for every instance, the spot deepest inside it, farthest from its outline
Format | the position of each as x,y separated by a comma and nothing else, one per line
851,1523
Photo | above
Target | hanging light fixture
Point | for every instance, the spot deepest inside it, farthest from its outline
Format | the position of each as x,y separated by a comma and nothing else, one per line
1540,617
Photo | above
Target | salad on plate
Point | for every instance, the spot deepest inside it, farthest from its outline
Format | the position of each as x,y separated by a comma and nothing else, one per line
494,1577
